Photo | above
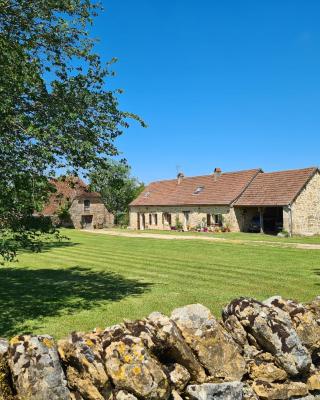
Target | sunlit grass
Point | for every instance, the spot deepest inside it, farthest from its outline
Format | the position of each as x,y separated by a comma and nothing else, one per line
314,239
97,280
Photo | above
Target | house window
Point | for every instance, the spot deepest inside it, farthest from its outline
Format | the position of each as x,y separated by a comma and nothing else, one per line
155,219
150,219
208,219
218,219
167,218
86,204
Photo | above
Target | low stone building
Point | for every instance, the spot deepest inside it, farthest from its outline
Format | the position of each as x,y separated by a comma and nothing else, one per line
284,200
74,205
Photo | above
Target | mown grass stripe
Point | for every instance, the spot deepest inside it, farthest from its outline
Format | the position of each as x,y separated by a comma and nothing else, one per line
219,275
111,262
37,293
128,258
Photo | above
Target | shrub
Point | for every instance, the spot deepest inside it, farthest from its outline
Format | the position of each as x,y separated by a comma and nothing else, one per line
122,219
283,233
63,212
178,225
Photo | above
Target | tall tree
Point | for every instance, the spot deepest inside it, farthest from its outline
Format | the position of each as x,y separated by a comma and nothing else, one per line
55,110
117,188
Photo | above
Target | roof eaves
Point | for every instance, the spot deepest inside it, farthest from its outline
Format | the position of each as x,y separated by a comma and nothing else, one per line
261,205
181,205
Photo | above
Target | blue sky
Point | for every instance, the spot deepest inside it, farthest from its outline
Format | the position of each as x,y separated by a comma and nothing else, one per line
233,84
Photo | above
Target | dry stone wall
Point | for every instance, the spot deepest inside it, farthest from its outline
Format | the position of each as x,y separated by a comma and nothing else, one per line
259,350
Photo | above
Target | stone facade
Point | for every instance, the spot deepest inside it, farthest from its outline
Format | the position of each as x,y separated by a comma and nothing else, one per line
237,219
306,209
89,213
287,223
73,204
189,216
303,216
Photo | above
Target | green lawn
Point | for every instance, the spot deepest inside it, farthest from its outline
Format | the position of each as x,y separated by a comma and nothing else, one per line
315,239
97,280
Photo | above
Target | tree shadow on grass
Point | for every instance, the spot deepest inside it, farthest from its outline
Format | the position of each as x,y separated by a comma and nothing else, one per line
47,246
50,245
316,271
29,294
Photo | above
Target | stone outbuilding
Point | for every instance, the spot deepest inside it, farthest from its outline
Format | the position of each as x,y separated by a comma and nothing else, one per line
74,205
240,201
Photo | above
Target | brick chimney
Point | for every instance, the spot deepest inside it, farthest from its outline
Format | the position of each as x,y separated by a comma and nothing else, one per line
180,176
217,172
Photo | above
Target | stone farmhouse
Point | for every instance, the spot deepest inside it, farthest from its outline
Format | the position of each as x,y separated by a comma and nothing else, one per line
83,209
284,200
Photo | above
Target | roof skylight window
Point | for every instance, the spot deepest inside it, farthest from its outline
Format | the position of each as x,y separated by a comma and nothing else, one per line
199,189
147,194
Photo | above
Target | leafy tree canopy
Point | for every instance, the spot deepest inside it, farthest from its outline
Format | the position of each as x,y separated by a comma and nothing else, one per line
55,111
117,187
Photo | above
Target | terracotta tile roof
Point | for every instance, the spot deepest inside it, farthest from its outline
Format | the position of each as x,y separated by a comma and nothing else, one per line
275,188
66,191
222,190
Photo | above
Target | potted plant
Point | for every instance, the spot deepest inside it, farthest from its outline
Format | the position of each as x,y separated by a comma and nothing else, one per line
226,226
